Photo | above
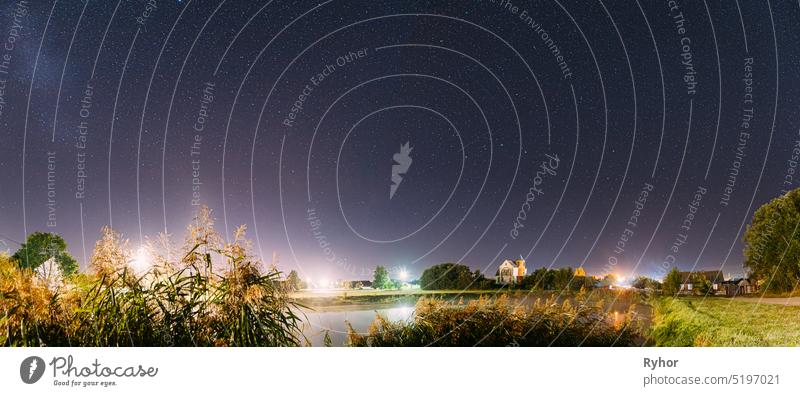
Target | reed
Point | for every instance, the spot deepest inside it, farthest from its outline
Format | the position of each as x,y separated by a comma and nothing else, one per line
500,322
212,293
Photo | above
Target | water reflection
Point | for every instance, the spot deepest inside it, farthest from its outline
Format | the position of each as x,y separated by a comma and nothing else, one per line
334,322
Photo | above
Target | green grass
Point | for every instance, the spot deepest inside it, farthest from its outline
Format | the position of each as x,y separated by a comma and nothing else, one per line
723,322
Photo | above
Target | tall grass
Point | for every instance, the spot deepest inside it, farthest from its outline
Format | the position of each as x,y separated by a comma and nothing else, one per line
214,293
499,322
723,322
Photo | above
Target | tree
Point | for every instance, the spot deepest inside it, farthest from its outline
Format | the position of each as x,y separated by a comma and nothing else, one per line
772,247
381,278
41,246
540,279
583,282
480,282
450,276
672,282
701,284
643,282
562,278
293,281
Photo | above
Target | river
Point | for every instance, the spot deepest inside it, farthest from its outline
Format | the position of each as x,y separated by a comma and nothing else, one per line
360,318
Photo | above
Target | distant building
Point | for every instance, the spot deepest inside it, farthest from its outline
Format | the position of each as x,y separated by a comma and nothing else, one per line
690,281
580,272
511,272
738,286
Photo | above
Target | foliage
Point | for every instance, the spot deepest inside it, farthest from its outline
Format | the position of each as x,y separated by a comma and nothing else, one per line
772,243
450,276
29,311
672,282
381,278
498,322
539,279
562,278
700,284
556,279
40,246
712,321
608,280
215,293
643,282
293,281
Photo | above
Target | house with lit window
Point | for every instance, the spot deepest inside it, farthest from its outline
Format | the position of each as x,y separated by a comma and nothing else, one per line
692,282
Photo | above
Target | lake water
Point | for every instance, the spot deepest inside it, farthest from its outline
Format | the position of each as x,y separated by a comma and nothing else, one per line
360,319
332,319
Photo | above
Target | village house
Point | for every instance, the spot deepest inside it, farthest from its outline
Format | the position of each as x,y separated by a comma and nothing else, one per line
738,286
691,282
511,272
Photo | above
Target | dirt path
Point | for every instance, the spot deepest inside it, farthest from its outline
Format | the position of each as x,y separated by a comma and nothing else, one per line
774,300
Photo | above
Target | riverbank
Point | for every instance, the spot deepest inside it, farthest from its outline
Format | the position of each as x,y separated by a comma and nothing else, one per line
718,321
346,300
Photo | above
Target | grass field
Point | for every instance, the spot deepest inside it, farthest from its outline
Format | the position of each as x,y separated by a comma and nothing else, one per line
723,322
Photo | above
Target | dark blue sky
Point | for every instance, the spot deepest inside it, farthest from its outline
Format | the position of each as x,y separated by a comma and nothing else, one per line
305,104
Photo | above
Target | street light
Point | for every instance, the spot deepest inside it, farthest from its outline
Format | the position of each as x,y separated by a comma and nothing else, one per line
402,274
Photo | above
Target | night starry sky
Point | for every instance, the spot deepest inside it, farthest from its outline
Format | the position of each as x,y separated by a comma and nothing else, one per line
623,136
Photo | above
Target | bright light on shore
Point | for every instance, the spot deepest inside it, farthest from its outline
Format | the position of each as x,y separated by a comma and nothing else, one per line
402,274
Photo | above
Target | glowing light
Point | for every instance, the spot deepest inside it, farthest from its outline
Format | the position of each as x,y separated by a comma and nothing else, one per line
402,274
141,260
